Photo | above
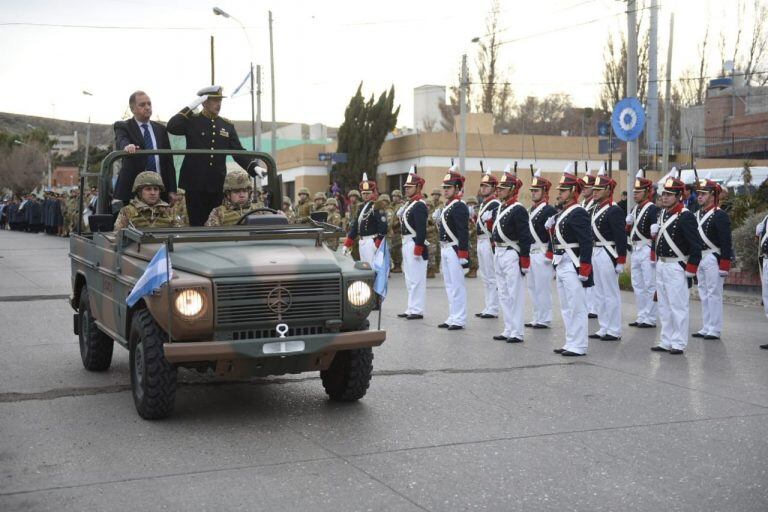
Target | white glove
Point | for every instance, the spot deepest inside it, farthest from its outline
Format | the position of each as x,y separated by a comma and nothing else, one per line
619,268
486,216
436,214
583,279
463,261
654,229
723,273
345,250
550,222
525,270
260,171
690,275
400,212
630,220
197,102
759,229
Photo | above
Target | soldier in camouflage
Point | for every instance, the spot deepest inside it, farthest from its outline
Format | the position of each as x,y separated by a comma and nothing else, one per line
434,206
355,199
179,207
287,209
237,200
473,261
334,217
384,204
397,236
146,209
319,202
303,206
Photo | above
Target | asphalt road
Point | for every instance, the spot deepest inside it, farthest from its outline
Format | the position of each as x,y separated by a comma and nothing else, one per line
452,421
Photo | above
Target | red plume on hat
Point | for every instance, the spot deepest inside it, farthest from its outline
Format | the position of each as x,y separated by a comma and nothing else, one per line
454,177
413,178
707,184
368,185
510,179
672,182
569,180
603,181
641,182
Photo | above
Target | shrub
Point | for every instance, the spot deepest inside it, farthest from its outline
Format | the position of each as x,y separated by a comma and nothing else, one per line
745,243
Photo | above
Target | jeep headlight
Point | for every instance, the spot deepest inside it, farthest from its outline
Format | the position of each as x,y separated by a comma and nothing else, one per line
189,303
359,293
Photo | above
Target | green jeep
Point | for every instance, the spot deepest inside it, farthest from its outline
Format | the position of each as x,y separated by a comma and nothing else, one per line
264,297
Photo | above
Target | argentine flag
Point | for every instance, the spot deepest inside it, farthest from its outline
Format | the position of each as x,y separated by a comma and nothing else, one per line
381,267
158,272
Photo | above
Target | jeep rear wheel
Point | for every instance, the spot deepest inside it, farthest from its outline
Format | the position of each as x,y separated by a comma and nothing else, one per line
153,378
95,346
348,377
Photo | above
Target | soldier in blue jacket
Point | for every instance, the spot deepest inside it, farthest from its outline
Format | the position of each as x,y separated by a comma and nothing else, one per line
677,252
453,224
716,255
638,226
512,241
608,257
370,224
486,215
571,245
588,202
542,273
413,225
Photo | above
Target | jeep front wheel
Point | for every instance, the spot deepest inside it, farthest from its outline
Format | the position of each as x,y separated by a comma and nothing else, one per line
153,378
95,346
348,377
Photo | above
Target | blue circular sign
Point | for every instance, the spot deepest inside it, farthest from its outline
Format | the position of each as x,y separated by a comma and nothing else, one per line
628,119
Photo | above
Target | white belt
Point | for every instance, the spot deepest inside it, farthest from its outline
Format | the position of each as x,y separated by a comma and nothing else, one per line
408,237
640,243
706,252
535,250
368,237
559,247
608,244
443,245
483,236
513,245
669,259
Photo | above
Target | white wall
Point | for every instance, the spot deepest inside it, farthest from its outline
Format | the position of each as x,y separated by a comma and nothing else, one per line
426,107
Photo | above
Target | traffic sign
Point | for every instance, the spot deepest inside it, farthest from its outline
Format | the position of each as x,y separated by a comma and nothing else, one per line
605,146
603,128
628,119
337,158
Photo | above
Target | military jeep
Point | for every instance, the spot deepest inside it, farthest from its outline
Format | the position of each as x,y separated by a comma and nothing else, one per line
261,298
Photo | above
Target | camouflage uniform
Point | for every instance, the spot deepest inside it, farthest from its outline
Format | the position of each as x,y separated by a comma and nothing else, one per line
433,233
70,220
352,214
303,207
396,234
179,208
229,213
140,214
287,209
318,206
473,261
334,217
384,203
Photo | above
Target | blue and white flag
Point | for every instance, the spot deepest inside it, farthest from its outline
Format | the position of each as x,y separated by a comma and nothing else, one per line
158,272
381,267
234,93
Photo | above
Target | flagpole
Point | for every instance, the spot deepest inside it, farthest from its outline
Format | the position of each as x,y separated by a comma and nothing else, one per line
168,282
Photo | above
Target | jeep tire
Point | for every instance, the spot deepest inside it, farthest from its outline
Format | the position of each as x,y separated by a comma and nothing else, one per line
95,346
153,378
349,375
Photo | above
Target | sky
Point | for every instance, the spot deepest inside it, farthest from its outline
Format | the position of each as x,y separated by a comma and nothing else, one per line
54,50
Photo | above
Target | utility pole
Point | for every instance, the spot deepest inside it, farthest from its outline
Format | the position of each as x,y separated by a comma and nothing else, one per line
652,119
258,107
463,115
213,74
633,157
272,77
665,144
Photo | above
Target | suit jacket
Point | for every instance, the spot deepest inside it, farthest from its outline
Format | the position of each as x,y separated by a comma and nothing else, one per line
128,132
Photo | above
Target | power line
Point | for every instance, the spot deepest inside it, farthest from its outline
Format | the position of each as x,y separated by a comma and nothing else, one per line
114,27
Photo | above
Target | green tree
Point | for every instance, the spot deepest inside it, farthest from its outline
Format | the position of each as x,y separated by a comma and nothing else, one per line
361,135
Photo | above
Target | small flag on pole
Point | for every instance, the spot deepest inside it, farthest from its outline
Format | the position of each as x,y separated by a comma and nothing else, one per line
234,93
158,272
381,266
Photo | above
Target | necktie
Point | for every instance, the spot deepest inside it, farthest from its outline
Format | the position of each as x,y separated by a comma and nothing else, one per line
151,164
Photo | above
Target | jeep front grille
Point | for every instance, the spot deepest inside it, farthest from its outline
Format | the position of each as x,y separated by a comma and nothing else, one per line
297,300
251,334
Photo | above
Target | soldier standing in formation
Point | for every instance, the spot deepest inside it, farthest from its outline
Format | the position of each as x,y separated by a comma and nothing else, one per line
384,204
571,245
180,207
303,206
454,241
355,200
318,204
397,237
202,176
677,252
334,218
473,265
639,221
761,233
287,209
483,226
146,209
413,227
715,232
542,273
370,224
237,200
589,204
608,257
512,238
433,233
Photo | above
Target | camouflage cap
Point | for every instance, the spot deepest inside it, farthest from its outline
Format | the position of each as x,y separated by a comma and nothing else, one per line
303,190
237,180
180,191
287,200
319,195
332,202
385,197
437,192
471,200
397,193
354,192
147,179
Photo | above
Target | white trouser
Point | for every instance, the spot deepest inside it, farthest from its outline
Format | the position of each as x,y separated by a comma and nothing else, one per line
573,306
592,299
415,272
607,285
711,295
488,275
367,250
453,276
511,295
644,284
672,291
539,285
765,286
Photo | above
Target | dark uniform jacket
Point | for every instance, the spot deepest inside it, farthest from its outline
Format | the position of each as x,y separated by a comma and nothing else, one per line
643,224
576,229
610,224
717,229
514,224
763,247
205,173
415,214
456,215
684,233
538,221
490,206
128,132
367,221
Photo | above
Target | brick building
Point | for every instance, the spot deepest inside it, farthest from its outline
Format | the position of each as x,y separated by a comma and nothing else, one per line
735,120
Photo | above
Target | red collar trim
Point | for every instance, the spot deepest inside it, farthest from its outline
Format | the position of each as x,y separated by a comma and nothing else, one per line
676,209
607,201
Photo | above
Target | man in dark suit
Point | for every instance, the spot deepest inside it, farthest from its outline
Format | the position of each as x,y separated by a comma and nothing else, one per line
202,176
141,133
